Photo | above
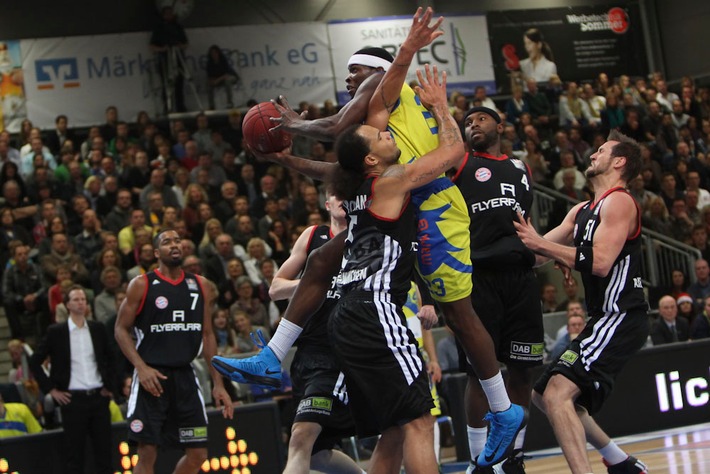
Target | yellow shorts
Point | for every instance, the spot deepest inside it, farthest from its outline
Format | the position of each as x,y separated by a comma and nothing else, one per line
444,255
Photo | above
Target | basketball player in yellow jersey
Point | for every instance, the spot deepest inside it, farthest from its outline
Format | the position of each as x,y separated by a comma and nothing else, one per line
385,102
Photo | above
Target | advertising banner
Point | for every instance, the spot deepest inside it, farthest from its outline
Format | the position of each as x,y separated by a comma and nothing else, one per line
575,43
462,51
75,76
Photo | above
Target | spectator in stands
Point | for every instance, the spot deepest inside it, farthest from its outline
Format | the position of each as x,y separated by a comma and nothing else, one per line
224,208
692,183
226,344
571,289
567,164
699,240
575,325
538,104
146,261
681,223
267,190
664,96
8,154
24,296
595,103
228,291
127,235
243,328
157,183
107,257
691,205
686,309
536,161
612,116
669,189
62,253
88,243
247,303
700,329
207,245
219,74
574,112
17,419
669,328
549,298
637,190
105,302
203,134
701,288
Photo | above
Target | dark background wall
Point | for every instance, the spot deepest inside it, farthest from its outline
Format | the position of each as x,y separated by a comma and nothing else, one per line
677,32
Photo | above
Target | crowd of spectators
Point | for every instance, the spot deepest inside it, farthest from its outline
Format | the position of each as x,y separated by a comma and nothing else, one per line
81,206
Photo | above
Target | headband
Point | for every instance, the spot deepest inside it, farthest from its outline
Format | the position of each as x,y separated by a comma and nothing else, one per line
369,61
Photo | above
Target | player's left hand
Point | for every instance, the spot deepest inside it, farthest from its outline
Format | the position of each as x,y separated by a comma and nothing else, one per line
288,115
432,91
222,399
427,316
421,34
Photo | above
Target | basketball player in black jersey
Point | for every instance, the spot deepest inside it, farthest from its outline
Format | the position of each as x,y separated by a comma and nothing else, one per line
601,239
505,290
322,417
168,311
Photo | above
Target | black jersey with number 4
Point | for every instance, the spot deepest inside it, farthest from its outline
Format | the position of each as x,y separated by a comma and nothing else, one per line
621,290
495,189
168,325
315,333
379,252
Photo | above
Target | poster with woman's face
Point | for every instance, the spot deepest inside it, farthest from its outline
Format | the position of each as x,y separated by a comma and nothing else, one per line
12,92
572,44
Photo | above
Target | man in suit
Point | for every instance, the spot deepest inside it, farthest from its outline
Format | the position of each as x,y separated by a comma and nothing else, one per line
669,328
80,381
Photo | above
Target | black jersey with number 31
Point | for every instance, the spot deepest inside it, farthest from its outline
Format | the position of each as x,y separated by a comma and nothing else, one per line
622,289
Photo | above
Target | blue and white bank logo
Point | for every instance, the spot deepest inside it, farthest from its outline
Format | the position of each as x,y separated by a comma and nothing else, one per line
55,73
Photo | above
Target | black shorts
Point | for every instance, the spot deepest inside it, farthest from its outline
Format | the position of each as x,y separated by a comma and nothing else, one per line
176,418
594,359
319,385
508,302
385,374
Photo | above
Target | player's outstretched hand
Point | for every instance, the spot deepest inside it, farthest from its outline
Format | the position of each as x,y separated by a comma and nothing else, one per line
222,400
527,233
288,115
432,90
421,33
276,157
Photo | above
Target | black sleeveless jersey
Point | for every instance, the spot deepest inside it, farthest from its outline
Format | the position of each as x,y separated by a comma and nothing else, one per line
379,253
495,189
314,336
621,290
168,325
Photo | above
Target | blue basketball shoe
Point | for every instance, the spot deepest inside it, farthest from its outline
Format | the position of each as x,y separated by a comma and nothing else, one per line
263,369
504,426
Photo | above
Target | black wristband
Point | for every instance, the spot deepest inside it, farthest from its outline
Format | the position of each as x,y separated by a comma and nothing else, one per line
584,259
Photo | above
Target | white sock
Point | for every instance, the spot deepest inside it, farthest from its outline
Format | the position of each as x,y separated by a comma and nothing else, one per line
520,439
476,440
613,454
284,337
437,441
495,392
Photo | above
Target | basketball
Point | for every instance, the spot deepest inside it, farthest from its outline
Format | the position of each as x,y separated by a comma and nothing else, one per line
256,126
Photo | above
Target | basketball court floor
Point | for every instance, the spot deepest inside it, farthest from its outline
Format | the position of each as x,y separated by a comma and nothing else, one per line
677,451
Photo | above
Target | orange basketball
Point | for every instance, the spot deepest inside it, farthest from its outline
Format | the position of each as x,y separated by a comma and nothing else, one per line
256,128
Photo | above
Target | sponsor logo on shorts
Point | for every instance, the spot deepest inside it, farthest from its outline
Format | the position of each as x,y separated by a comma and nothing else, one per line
191,435
526,351
136,426
483,174
161,302
319,405
569,357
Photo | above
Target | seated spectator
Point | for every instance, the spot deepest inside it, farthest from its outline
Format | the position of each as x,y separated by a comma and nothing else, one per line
10,231
567,164
549,298
18,420
20,352
640,193
538,104
575,325
194,196
146,261
226,344
685,307
249,304
256,251
105,302
668,328
669,189
217,263
243,328
516,106
54,293
700,290
691,205
656,218
127,235
107,257
536,161
700,329
571,290
207,246
699,240
681,223
574,112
